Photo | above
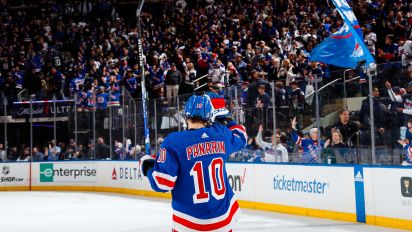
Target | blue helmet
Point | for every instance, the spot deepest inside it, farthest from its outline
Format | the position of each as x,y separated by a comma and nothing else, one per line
198,107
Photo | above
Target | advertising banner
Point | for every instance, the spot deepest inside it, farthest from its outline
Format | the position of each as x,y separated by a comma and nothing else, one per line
388,192
14,174
241,179
123,175
314,187
67,172
42,109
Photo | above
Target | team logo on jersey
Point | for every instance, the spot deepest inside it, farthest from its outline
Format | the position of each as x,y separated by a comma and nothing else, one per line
199,105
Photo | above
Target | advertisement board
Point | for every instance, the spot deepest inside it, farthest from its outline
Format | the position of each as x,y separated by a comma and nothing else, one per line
241,179
314,187
14,174
123,175
375,195
65,172
388,192
42,109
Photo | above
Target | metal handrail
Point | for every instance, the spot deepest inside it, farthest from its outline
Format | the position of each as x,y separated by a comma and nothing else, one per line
320,89
21,93
353,79
200,78
200,86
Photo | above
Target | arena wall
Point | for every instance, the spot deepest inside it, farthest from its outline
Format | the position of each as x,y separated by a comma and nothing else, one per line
368,194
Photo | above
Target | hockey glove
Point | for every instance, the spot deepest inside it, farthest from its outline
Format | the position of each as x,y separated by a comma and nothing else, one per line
146,162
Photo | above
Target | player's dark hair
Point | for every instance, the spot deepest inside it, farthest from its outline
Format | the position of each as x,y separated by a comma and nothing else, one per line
197,119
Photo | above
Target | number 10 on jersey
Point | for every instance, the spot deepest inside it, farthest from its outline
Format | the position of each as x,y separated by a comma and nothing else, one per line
217,183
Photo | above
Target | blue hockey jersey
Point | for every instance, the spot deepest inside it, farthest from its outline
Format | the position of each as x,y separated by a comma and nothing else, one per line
311,150
407,158
191,165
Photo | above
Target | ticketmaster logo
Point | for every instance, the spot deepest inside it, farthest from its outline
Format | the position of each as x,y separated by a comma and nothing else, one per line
282,183
46,173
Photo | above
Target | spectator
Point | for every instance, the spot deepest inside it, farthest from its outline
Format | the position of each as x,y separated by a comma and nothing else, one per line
3,155
390,51
13,155
406,52
263,100
297,100
69,154
337,149
370,38
190,77
280,153
37,155
102,150
244,94
25,156
54,151
137,152
173,81
253,90
407,159
311,146
380,112
118,150
347,128
337,141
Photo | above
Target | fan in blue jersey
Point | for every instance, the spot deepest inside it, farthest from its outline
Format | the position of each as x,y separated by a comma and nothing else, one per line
407,146
18,77
115,91
191,165
75,84
102,99
311,149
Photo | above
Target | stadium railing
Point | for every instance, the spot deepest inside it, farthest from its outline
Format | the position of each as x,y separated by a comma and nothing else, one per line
117,124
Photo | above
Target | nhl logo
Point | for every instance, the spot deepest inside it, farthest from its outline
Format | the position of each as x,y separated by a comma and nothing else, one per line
6,170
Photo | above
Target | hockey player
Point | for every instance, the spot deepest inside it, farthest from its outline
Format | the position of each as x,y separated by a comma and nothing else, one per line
191,165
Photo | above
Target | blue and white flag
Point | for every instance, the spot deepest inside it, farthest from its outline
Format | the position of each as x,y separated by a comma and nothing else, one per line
344,48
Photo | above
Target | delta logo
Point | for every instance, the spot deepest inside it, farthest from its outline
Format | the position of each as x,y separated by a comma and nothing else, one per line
126,173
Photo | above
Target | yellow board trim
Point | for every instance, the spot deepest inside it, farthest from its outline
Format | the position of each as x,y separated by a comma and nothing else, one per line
14,188
389,222
350,217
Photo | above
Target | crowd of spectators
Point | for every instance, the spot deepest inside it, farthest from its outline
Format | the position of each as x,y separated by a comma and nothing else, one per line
53,151
89,49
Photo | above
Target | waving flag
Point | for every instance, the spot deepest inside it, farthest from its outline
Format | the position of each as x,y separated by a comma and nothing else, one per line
344,48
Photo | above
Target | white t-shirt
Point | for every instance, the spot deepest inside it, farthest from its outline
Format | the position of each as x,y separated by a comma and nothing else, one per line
406,51
371,41
271,155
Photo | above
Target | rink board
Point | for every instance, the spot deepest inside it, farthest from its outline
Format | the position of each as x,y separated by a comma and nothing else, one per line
372,194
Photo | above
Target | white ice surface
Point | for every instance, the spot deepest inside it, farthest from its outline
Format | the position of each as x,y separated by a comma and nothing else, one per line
90,212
